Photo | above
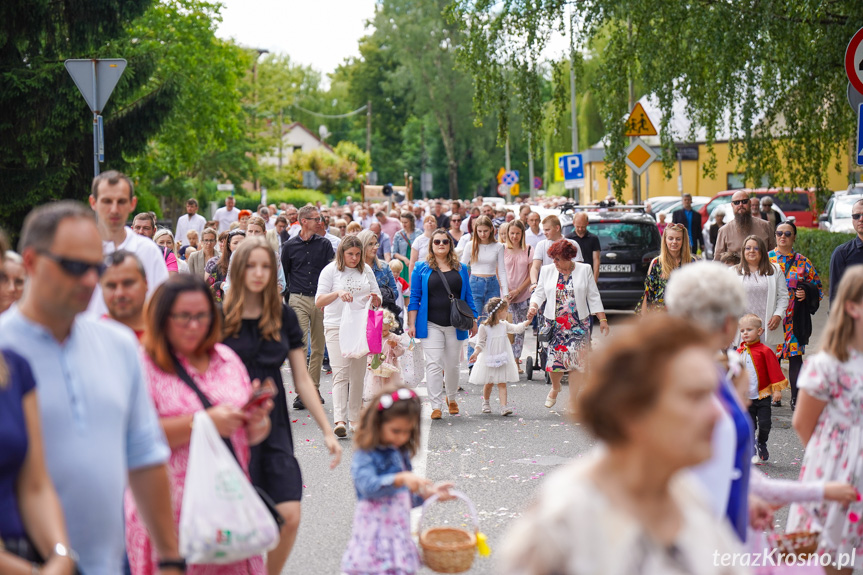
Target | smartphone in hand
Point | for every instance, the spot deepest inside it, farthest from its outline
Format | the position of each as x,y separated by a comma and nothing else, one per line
267,390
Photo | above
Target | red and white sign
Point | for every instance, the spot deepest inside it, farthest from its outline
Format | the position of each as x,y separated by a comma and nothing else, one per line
854,61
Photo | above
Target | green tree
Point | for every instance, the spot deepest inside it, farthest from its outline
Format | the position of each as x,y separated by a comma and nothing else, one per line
772,70
45,125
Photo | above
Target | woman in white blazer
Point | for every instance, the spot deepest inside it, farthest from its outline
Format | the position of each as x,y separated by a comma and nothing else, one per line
766,291
569,291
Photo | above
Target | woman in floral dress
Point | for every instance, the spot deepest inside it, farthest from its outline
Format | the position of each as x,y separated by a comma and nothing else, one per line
569,292
829,421
797,269
673,253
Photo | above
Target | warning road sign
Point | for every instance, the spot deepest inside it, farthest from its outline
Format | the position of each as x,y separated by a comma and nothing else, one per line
638,123
854,60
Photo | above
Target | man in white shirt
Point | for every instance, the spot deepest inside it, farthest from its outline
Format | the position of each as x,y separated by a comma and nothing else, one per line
551,229
112,198
534,233
190,221
227,215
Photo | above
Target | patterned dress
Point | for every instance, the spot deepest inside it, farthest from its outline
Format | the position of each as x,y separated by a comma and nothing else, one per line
654,289
797,268
225,381
213,276
570,335
834,452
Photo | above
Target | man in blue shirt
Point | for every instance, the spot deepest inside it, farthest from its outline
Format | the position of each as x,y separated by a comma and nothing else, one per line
848,254
100,430
692,221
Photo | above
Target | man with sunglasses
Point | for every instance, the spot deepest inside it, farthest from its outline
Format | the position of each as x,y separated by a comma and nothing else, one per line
100,430
731,235
112,198
303,257
848,254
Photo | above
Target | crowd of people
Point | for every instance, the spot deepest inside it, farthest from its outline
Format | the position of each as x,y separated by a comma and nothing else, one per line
125,332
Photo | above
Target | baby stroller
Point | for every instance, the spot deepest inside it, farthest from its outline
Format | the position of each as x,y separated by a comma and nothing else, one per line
537,362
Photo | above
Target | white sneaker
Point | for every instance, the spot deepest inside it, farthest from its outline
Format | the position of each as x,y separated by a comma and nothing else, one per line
505,410
486,406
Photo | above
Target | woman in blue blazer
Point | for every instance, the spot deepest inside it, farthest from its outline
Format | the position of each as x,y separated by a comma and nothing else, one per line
429,319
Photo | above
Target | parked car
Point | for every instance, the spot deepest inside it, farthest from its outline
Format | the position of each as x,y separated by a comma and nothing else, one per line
659,203
727,209
837,214
797,203
697,203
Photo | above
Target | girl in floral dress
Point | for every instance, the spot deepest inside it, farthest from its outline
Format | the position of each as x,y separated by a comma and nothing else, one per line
673,253
392,350
829,421
386,487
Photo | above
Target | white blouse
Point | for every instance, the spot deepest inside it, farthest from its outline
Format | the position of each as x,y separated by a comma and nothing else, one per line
489,262
360,284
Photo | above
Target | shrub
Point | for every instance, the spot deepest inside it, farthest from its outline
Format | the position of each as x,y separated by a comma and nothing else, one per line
246,200
818,246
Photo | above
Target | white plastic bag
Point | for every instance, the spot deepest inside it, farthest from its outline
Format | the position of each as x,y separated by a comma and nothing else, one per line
352,331
412,362
222,520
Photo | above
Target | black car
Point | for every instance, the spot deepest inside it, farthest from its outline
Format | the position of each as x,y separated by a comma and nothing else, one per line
629,240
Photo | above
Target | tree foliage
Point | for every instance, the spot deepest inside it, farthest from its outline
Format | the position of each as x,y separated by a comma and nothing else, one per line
769,73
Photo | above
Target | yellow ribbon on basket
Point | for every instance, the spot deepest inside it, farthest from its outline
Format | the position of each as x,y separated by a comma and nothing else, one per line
482,545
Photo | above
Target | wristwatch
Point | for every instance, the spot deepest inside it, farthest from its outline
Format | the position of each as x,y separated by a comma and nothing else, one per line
61,550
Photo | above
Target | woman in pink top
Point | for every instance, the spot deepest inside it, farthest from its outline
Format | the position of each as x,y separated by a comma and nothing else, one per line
183,323
517,258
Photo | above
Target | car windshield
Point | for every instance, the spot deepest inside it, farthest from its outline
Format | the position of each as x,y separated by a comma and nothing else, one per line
624,235
844,205
716,202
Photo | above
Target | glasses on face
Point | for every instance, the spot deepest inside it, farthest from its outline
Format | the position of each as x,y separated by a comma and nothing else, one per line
751,249
75,268
185,319
208,241
441,242
739,202
780,234
317,219
856,217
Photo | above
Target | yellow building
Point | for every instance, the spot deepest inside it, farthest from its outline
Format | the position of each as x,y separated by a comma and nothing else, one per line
690,166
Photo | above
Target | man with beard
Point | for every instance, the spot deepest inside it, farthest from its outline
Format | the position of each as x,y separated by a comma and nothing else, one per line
732,234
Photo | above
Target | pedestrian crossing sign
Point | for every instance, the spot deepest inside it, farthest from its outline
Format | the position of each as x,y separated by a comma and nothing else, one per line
638,123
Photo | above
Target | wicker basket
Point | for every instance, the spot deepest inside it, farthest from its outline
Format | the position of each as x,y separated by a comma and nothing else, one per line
802,544
385,370
449,549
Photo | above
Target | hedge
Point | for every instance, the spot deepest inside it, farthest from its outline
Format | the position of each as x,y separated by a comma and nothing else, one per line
247,201
818,246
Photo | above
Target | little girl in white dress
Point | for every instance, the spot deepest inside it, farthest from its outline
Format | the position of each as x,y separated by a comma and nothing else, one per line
492,358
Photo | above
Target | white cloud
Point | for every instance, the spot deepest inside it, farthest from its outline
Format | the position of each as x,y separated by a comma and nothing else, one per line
320,33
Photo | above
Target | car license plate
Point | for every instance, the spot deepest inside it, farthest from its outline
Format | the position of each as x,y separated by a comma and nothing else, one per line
612,268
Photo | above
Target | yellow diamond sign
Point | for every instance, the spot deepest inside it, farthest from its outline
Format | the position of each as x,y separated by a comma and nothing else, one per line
639,156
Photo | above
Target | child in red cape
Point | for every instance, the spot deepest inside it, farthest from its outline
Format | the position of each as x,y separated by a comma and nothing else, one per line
765,378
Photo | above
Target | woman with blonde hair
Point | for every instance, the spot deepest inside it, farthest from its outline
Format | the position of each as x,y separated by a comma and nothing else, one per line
517,257
263,331
829,422
673,253
165,240
353,229
345,281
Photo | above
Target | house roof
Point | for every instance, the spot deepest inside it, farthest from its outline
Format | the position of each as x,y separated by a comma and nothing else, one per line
300,126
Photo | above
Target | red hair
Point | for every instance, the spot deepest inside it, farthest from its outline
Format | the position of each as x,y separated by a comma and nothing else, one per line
563,249
244,213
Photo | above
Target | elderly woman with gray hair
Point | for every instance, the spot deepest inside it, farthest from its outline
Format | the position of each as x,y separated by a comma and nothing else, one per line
711,295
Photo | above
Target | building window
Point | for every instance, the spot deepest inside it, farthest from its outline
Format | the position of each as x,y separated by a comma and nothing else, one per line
737,181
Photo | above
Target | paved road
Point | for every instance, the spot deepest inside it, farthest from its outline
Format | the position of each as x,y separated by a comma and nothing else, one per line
497,461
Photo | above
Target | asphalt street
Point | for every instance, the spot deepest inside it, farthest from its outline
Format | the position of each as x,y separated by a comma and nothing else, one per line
499,462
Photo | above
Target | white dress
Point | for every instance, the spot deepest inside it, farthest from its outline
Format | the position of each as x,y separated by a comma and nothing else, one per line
495,362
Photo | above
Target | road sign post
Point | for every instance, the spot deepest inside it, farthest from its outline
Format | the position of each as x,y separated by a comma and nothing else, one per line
860,135
573,171
96,80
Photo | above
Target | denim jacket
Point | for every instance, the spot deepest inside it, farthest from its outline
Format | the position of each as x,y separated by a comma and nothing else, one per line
375,471
384,275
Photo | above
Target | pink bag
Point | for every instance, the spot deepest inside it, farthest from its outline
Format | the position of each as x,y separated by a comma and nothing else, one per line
375,330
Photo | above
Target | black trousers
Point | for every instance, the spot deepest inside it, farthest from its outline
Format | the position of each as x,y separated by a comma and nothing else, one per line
761,413
795,363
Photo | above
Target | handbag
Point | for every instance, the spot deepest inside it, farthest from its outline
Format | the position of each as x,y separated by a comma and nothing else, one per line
460,314
375,330
205,401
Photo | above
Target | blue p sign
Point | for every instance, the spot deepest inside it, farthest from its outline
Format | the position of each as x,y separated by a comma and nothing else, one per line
573,167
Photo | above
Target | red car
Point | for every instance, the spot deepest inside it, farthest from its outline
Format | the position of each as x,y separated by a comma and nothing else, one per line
798,203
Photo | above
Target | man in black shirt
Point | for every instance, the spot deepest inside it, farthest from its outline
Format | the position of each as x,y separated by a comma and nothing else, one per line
587,242
848,254
440,215
303,258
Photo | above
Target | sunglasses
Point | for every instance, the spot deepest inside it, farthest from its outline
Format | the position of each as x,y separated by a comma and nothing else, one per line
237,233
75,268
856,217
739,202
675,227
441,242
784,234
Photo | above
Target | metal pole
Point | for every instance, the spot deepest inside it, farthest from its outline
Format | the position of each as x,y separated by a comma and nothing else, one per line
572,103
679,172
506,161
530,163
369,127
636,179
95,127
